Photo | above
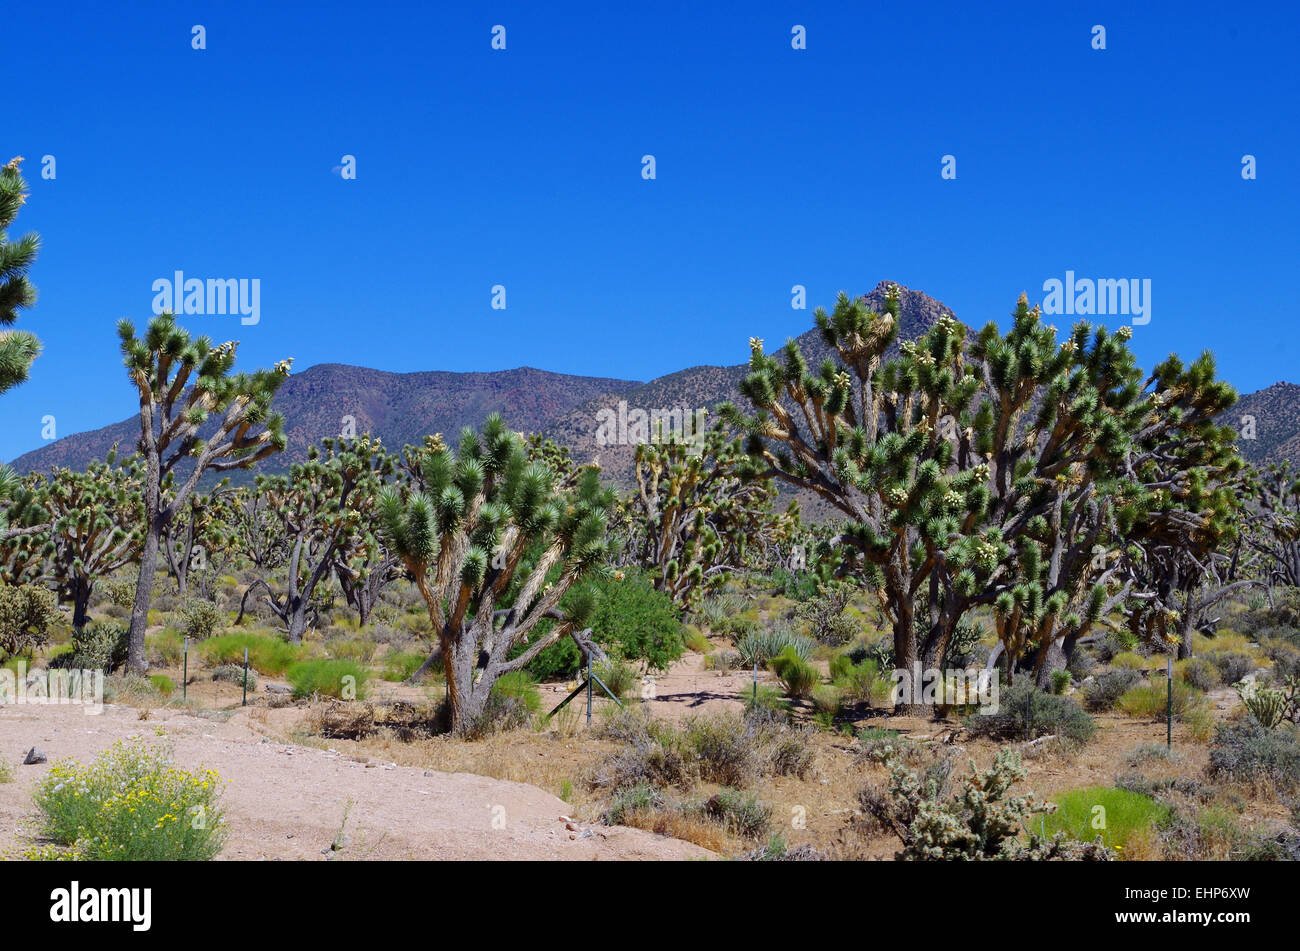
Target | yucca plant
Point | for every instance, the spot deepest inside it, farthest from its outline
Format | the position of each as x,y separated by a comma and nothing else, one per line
493,539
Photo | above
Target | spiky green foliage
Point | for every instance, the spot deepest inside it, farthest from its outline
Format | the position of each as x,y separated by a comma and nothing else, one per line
697,512
493,539
26,612
201,530
325,508
97,525
25,545
18,348
194,409
1006,470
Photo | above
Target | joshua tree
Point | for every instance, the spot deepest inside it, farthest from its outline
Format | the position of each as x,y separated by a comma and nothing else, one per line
193,410
987,472
493,540
18,348
98,525
323,507
25,545
696,511
201,529
1273,529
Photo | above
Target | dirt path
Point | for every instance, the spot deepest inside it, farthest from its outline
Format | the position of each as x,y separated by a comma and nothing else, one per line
288,802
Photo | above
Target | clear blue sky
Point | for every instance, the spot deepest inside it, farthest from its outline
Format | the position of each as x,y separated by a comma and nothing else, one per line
523,168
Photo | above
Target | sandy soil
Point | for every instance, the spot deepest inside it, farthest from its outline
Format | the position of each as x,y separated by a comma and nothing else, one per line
288,802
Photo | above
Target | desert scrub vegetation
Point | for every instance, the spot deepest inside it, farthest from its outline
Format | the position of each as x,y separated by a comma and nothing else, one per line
979,821
132,803
339,679
1026,713
1248,753
269,656
1123,820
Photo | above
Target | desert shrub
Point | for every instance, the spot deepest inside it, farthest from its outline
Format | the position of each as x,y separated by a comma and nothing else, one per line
340,679
790,753
739,812
1232,665
1127,817
715,610
561,660
979,822
1115,642
1152,700
796,674
638,797
400,665
1025,712
1216,834
695,640
234,674
1284,655
1197,672
760,646
350,648
724,748
776,850
1081,664
6,771
120,593
859,681
1246,752
828,699
633,621
163,684
199,618
132,804
269,656
1268,706
99,645
1061,680
26,613
824,615
165,649
620,678
511,704
651,753
722,660
763,701
1130,660
1105,691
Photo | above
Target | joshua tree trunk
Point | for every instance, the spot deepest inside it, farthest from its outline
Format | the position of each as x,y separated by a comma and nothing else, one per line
81,589
143,593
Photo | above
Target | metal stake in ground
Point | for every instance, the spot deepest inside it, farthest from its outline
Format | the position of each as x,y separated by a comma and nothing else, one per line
185,670
1169,706
245,703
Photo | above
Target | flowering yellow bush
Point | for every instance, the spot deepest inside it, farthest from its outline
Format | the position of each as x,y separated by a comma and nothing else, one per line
132,804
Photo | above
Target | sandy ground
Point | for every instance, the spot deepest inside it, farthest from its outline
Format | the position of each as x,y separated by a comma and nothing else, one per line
288,802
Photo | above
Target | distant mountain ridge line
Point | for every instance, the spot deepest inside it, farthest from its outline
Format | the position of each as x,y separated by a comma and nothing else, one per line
401,408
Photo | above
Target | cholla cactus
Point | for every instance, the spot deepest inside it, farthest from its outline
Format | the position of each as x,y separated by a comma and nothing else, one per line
493,540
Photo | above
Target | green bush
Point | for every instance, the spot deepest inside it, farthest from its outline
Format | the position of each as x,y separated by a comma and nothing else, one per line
269,656
400,665
739,812
340,679
1115,816
351,648
26,613
1232,665
132,804
199,618
797,675
6,771
1061,680
636,623
1152,700
764,701
163,684
1025,712
165,649
620,678
99,645
723,747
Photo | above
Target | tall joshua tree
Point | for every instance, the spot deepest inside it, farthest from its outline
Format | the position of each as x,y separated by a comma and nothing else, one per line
493,540
18,348
187,389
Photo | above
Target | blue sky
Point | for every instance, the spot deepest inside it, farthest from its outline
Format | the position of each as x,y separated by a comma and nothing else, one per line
522,168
